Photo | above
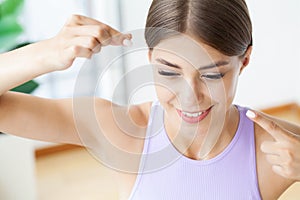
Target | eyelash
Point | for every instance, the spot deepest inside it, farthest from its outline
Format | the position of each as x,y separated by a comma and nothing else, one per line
213,76
168,73
207,76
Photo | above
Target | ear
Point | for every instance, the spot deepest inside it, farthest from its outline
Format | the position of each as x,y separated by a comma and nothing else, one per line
246,58
149,54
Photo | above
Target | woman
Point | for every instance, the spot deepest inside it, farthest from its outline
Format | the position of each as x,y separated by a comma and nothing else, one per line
191,144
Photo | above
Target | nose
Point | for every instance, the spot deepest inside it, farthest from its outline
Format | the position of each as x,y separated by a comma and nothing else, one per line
192,92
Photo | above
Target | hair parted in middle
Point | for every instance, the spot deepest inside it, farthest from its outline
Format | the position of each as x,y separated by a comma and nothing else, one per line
222,24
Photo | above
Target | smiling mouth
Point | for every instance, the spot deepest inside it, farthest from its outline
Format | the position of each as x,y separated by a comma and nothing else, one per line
193,117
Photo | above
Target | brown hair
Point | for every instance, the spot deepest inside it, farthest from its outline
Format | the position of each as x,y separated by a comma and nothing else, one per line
222,24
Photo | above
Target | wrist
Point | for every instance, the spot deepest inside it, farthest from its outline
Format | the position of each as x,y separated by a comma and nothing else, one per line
41,58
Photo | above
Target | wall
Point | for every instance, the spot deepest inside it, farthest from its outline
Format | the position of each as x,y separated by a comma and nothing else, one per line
272,77
133,21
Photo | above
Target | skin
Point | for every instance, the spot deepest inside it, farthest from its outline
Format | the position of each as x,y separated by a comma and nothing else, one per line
189,89
277,142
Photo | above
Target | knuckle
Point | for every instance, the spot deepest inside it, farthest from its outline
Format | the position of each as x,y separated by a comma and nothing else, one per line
92,42
66,61
273,126
290,155
76,17
73,19
103,36
101,32
65,29
289,158
90,54
107,41
263,147
104,26
75,49
69,62
97,49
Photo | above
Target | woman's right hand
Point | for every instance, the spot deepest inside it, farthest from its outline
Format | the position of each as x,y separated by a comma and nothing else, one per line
80,37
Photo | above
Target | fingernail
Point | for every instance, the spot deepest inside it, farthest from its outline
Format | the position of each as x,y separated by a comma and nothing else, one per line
127,43
250,114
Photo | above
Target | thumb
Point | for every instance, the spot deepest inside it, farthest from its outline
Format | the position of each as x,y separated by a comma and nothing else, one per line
120,39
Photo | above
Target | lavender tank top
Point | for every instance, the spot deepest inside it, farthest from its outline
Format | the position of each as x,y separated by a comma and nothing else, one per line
165,174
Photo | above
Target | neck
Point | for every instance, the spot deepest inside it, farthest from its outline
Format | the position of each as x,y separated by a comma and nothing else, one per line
202,144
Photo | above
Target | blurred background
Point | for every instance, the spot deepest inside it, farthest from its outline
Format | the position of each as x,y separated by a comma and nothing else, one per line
272,78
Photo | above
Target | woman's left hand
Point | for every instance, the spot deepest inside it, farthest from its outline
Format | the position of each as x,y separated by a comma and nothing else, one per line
283,153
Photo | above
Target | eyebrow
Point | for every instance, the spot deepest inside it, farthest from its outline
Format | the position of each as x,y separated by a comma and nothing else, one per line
217,64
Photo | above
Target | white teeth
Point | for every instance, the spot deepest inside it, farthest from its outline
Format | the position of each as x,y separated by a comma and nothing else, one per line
192,114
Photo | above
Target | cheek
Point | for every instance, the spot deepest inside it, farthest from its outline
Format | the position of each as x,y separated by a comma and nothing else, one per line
165,88
230,86
217,91
164,94
224,91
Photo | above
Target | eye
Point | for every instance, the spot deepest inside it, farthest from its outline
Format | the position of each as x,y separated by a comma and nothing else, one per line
213,76
168,73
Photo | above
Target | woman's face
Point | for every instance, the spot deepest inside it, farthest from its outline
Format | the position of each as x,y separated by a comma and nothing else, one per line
195,83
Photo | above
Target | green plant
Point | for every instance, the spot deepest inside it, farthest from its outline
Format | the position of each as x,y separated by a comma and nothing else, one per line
10,31
10,27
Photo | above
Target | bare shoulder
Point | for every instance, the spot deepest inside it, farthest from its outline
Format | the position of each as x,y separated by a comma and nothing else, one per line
271,185
140,113
124,126
136,115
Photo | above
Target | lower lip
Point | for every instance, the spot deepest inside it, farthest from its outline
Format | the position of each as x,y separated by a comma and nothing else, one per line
193,120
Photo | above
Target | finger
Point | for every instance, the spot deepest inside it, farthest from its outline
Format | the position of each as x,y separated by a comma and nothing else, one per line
279,167
274,159
278,170
284,172
98,32
270,147
119,38
269,125
97,49
78,51
86,42
127,42
80,20
103,33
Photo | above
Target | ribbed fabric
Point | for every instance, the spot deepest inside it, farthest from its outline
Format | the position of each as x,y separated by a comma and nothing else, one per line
165,174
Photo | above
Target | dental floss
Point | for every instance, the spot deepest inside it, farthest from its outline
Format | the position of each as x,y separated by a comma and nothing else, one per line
127,43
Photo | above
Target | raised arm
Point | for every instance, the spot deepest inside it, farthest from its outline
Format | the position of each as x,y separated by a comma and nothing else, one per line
38,118
48,119
80,37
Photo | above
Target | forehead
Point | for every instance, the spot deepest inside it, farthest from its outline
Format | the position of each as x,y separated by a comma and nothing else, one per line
184,48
